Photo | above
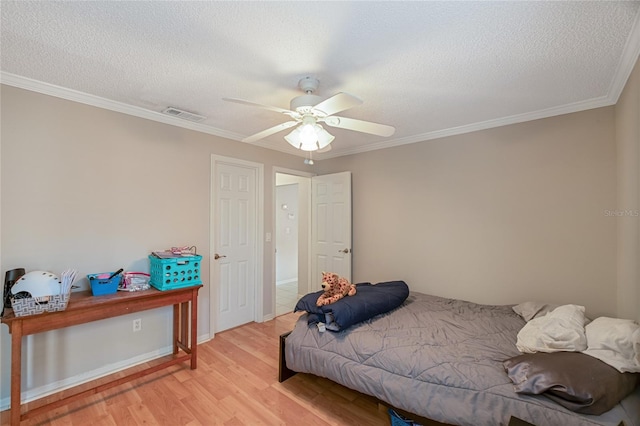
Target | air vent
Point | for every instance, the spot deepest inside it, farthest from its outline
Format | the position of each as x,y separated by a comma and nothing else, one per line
185,115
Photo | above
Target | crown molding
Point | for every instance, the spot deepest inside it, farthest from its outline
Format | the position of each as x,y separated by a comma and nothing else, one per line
624,69
630,55
96,101
483,125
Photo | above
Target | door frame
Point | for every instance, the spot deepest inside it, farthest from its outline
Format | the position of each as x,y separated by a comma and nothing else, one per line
258,251
292,172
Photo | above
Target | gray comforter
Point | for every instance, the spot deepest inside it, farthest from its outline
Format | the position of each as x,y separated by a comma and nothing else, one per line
439,358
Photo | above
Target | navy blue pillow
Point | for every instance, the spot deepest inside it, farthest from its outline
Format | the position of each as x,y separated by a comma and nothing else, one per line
369,301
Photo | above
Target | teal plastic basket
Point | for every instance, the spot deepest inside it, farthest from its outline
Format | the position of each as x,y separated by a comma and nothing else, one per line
175,272
101,286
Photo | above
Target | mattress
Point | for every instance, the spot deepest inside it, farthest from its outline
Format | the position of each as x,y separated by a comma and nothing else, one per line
441,359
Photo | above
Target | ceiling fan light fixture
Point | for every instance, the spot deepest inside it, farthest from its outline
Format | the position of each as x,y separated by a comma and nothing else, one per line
294,138
324,137
309,137
308,134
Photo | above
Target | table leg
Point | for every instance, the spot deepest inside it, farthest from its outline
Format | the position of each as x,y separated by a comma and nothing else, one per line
184,325
176,325
16,372
194,329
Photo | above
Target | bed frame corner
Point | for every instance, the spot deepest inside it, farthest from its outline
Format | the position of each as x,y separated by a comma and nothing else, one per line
283,372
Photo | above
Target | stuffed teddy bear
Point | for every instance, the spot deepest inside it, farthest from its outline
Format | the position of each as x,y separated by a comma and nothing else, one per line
335,288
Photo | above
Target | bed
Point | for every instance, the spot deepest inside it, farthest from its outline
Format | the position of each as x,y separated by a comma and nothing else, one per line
438,358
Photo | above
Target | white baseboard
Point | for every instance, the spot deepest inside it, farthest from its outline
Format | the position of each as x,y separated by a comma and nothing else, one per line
282,282
60,385
268,317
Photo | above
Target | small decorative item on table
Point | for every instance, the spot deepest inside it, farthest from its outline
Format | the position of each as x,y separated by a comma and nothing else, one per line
105,282
134,281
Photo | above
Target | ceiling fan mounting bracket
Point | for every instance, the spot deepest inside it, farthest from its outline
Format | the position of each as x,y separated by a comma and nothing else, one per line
308,84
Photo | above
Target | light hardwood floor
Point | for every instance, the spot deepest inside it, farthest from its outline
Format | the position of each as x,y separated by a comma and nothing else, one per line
236,383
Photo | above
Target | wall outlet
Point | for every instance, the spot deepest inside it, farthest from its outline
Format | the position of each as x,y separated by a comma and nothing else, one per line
137,324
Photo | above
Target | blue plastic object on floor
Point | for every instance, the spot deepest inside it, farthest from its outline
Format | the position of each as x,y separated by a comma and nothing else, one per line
398,420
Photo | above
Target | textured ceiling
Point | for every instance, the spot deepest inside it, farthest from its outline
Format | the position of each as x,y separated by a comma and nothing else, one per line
430,69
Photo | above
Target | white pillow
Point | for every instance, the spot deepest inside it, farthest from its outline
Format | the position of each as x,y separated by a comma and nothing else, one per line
560,330
616,342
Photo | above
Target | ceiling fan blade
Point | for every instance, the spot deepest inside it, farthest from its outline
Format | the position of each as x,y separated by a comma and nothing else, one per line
360,126
270,131
336,103
269,107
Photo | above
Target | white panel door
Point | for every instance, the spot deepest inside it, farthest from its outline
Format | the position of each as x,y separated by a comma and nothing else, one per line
330,226
234,247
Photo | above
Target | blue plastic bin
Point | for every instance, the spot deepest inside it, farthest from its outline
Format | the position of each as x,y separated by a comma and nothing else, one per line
101,286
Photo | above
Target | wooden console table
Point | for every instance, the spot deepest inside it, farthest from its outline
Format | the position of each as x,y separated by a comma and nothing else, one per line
83,307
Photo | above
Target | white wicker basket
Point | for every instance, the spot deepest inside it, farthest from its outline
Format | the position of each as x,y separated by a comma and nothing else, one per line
29,305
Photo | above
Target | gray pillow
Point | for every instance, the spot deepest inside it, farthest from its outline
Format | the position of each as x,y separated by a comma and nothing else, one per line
531,310
577,381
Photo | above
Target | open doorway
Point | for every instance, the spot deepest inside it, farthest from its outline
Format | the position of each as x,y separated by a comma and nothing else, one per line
292,229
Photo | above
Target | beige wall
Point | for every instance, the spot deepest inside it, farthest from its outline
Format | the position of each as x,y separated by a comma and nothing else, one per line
497,216
95,190
627,112
503,215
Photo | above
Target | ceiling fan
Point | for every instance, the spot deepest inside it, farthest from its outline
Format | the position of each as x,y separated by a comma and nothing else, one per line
308,110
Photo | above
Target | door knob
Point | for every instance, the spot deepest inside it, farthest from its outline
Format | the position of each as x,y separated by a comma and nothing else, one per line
345,251
217,256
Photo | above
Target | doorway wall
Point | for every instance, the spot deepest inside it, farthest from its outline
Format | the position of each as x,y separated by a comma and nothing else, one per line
287,217
292,239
